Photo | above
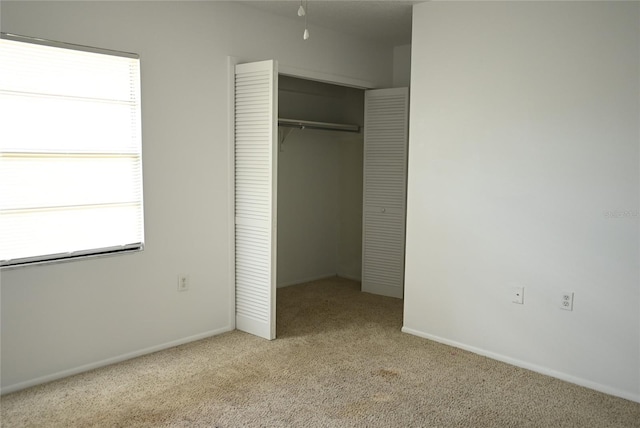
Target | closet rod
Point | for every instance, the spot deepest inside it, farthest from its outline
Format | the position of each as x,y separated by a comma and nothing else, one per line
302,124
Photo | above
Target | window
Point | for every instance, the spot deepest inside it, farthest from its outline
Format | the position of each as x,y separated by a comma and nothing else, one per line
70,152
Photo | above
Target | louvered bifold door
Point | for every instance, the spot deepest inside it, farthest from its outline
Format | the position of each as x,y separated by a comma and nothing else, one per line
255,197
384,192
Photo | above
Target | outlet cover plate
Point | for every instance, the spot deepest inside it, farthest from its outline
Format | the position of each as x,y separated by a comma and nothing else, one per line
517,295
183,282
566,300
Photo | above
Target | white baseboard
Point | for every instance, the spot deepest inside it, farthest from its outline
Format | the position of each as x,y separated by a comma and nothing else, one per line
525,365
308,279
109,361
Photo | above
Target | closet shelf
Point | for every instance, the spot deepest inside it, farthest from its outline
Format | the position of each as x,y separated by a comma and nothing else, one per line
308,124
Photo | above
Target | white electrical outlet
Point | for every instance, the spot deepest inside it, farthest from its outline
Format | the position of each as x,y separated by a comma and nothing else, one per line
566,300
517,295
183,282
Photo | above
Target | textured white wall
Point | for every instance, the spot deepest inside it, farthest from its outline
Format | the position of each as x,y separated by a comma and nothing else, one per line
319,206
524,136
351,174
402,66
308,206
59,319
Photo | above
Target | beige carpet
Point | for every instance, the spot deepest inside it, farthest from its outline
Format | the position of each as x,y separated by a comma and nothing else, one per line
340,360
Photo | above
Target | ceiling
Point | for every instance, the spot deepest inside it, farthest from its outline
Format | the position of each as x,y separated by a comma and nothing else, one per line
387,22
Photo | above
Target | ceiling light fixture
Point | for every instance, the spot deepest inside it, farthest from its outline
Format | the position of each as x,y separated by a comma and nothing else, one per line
305,35
301,11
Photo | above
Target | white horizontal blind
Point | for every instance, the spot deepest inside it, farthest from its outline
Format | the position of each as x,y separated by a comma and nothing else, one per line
385,177
70,153
255,197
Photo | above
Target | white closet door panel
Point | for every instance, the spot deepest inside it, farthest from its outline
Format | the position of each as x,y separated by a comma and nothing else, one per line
255,197
384,193
384,252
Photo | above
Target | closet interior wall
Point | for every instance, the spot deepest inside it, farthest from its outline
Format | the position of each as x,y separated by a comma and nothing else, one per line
319,183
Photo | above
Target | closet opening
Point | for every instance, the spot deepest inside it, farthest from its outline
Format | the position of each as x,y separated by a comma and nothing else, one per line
315,197
320,181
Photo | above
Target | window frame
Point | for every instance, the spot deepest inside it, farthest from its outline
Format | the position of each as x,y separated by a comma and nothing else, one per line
97,251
